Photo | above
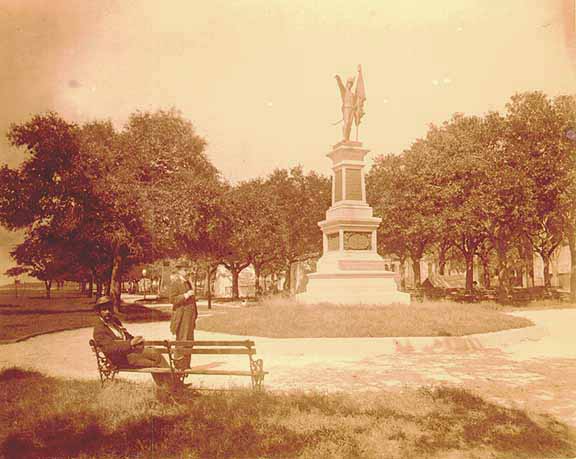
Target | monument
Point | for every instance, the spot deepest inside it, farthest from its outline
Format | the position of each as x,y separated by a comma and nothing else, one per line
350,270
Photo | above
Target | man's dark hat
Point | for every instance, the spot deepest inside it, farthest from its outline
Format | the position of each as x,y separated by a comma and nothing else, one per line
103,302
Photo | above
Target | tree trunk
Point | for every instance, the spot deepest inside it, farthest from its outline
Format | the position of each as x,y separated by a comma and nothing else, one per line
235,283
288,278
486,275
90,286
503,274
403,274
441,261
546,262
416,270
257,288
527,254
115,277
117,292
530,270
209,286
469,257
571,236
48,285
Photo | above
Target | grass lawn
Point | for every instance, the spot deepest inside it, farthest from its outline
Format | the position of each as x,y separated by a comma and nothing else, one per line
31,313
285,319
78,419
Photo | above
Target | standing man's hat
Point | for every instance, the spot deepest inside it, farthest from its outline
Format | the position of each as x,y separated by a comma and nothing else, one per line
103,301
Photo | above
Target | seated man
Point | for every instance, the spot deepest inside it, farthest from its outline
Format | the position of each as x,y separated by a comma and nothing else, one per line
123,349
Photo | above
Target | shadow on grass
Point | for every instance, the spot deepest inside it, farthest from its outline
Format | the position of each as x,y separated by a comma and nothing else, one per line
484,424
77,420
42,311
128,312
207,435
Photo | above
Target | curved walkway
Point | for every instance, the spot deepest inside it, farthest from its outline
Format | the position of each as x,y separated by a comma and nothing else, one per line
537,373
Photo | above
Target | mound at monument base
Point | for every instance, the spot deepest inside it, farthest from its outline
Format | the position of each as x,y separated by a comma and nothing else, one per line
381,300
338,289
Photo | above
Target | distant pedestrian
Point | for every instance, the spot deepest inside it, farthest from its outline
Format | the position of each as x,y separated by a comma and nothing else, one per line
184,313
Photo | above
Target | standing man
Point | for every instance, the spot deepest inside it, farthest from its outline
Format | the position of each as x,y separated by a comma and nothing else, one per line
184,312
123,349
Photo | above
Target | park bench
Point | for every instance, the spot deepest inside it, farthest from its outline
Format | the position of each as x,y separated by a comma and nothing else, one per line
108,370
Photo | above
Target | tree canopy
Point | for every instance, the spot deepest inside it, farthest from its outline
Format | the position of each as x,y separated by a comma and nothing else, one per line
111,197
498,182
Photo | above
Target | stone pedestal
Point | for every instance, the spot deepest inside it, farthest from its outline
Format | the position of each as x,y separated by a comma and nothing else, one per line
350,270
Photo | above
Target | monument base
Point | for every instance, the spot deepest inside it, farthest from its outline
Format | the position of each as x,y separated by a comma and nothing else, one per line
352,278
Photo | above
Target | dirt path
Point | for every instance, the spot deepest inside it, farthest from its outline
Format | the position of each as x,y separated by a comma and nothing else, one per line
537,375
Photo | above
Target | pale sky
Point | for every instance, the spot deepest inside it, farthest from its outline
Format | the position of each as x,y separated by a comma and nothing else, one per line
257,77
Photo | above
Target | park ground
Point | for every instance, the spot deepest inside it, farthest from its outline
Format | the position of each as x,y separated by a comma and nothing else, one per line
528,369
78,419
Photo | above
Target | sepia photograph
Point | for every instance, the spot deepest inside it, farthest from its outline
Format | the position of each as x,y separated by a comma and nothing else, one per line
288,229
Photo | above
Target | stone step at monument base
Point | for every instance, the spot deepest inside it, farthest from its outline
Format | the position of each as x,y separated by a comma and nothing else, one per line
352,291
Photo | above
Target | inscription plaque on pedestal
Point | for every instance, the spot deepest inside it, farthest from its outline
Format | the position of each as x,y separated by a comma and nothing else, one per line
357,240
354,184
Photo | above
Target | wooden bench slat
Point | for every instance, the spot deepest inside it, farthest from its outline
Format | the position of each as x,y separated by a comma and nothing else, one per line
145,370
192,371
223,372
205,351
245,343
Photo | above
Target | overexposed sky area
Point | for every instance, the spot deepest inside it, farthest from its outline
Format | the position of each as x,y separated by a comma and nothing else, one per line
257,77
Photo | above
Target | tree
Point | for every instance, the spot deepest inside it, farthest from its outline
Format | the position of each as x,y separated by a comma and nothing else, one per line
243,220
533,132
44,258
45,195
380,183
155,178
301,202
401,194
253,230
259,231
565,108
114,196
503,199
485,184
484,252
455,150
